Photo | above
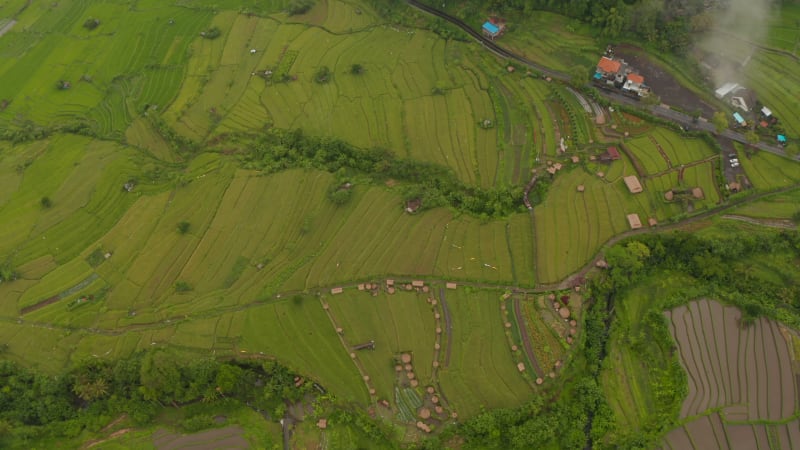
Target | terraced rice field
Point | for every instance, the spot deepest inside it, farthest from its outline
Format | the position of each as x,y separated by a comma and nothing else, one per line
767,171
712,432
391,104
745,371
779,206
482,371
660,150
402,322
571,226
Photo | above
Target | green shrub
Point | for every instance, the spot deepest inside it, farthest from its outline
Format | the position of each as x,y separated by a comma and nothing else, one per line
211,33
322,75
183,227
197,423
91,24
182,286
296,7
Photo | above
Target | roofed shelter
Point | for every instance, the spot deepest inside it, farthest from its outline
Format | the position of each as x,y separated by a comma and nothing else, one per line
491,30
608,66
727,88
633,184
634,221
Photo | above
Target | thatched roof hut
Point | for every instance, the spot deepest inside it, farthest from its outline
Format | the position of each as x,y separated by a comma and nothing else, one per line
634,221
633,184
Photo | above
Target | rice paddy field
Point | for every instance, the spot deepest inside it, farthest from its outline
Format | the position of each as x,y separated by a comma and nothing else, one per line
745,376
126,232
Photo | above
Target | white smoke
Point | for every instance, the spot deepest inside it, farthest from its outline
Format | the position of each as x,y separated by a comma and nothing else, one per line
739,26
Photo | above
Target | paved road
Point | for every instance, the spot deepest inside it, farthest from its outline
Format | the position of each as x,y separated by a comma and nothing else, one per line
659,111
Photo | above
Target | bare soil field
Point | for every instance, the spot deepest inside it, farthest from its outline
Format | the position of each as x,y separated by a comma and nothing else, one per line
711,432
730,366
228,438
661,81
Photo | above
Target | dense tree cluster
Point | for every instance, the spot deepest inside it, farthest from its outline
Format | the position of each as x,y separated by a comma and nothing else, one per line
579,415
666,24
435,185
34,405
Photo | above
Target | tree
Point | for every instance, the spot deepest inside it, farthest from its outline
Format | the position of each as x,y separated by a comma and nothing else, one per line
356,69
296,7
720,121
651,100
183,227
159,376
89,390
228,378
46,202
751,137
7,272
322,75
578,75
182,286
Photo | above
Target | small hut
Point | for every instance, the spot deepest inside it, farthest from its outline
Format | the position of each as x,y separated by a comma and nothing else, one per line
634,221
413,205
633,184
581,188
669,195
652,221
698,193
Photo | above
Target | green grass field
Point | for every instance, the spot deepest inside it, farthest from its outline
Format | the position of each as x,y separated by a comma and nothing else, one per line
482,372
204,256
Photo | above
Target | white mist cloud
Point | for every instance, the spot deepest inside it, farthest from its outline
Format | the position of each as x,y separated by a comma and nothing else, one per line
738,25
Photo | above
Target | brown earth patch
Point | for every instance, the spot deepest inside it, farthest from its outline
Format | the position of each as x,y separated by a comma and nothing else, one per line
661,81
699,430
678,439
742,437
228,438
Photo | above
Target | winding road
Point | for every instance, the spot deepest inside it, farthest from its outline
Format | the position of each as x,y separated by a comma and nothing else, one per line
662,111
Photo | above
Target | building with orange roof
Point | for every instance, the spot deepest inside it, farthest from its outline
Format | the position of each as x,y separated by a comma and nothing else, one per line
607,66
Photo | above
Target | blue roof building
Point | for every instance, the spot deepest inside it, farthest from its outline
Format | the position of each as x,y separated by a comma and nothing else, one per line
739,118
490,29
781,139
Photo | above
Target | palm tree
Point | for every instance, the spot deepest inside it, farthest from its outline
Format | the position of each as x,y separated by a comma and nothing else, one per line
90,390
